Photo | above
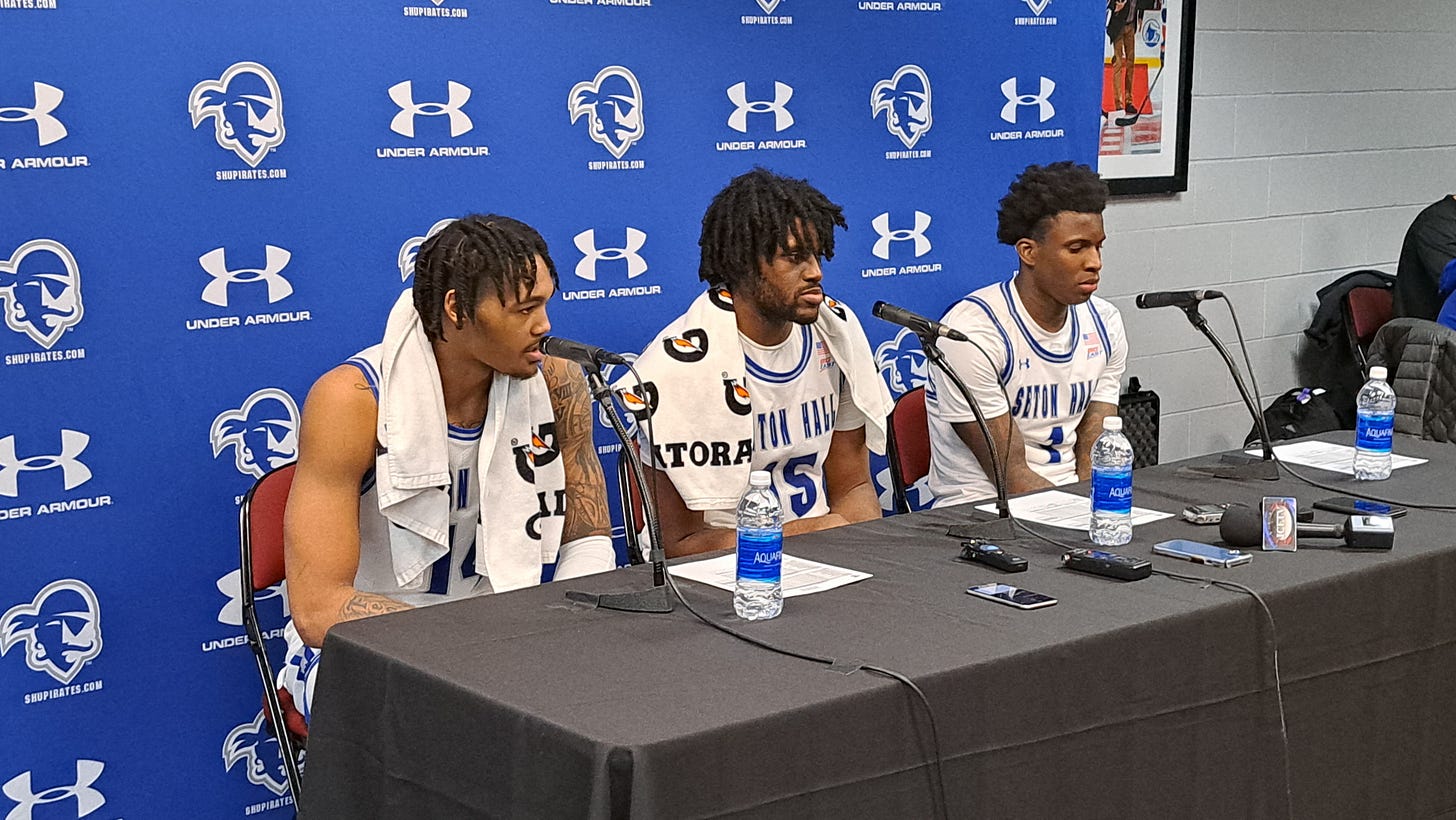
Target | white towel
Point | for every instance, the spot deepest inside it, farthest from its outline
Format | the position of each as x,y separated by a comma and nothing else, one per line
523,488
696,394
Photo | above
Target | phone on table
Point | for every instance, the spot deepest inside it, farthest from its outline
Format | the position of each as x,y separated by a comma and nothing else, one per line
1011,596
1200,553
1359,506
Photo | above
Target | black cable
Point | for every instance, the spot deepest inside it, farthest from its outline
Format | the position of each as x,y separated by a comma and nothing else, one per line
1259,402
938,796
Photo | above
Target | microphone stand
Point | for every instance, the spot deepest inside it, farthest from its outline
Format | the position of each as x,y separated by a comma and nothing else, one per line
654,599
1237,465
1002,528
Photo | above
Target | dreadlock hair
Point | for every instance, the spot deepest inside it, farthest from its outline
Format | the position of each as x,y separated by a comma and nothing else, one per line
1042,192
748,221
474,255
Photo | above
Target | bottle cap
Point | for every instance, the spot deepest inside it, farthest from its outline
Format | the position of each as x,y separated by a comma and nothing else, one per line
1377,373
1112,423
759,478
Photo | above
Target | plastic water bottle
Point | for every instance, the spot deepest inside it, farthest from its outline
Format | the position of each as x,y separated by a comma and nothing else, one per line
1375,421
1111,486
758,593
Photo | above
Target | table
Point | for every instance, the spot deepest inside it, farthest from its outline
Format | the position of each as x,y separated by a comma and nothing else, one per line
1153,698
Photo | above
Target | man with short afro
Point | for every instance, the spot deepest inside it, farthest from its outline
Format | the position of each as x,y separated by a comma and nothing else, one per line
1045,357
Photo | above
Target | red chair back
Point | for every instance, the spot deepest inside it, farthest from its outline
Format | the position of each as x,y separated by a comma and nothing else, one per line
1370,308
908,446
262,528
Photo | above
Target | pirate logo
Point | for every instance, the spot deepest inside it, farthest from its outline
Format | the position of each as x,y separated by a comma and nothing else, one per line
735,395
641,403
612,105
690,347
246,107
538,452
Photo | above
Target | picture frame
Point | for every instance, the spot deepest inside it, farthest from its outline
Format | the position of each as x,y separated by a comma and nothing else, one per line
1143,145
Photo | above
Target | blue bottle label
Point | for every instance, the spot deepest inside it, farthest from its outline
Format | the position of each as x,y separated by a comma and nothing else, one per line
1112,490
760,555
1372,431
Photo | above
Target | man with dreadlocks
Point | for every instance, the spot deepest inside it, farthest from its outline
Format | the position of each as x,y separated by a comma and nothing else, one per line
1045,356
452,459
763,372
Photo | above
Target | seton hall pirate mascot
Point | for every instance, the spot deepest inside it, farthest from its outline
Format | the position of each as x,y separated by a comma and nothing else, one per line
763,372
453,459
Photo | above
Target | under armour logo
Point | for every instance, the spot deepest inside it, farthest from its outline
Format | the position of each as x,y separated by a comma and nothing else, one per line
1015,99
215,263
881,224
1026,364
411,248
73,472
231,586
586,242
738,95
88,799
612,104
246,107
1037,6
905,99
403,95
48,129
768,5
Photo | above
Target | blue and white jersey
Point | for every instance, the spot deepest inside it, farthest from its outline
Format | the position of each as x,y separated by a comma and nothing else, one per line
795,389
455,574
1048,379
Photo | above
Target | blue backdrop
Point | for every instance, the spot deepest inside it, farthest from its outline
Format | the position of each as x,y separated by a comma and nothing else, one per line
204,206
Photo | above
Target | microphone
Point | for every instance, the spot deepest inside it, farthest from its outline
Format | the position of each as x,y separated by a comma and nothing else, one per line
579,352
1243,526
1175,298
921,325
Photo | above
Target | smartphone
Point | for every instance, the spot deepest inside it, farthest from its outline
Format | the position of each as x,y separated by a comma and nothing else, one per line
1359,506
1203,513
1200,553
1012,596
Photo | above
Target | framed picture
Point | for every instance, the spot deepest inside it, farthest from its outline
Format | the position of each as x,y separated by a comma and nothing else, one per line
1147,85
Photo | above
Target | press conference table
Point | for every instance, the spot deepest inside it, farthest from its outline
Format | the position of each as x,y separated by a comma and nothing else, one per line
1153,698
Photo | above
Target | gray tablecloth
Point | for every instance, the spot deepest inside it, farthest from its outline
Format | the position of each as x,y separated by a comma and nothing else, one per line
1153,698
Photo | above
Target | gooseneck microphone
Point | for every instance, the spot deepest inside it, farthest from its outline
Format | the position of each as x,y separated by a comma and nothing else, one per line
579,352
921,325
1175,298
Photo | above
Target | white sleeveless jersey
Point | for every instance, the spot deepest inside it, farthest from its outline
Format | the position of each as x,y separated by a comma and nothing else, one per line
1048,379
795,389
454,575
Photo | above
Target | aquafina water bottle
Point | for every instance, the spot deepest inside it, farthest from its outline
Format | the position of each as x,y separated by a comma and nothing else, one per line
1374,423
758,593
1111,486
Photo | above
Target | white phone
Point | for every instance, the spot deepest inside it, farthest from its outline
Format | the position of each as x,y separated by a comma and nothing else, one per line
1200,553
1011,596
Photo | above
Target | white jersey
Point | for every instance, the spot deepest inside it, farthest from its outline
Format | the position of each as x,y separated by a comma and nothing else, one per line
454,575
1049,376
795,389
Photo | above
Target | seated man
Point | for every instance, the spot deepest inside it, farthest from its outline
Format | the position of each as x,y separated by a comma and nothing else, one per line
450,460
1045,358
1429,247
763,372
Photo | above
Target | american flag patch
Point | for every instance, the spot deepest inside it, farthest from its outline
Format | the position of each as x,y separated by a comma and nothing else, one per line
826,361
1093,345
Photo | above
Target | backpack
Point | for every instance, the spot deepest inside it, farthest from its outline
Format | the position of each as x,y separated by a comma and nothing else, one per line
1301,411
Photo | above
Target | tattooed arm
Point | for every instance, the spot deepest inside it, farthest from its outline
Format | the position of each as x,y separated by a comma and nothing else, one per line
321,527
586,492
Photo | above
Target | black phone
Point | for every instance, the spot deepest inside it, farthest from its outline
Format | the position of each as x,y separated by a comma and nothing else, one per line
1359,506
1012,596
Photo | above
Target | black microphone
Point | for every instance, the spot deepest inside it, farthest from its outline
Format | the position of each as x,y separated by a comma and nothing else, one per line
921,325
578,352
1175,298
1243,526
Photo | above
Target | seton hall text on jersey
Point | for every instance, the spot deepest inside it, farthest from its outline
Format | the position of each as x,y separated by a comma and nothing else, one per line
773,430
1040,401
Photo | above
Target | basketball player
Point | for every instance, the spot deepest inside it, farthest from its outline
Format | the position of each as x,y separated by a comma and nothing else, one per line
1045,358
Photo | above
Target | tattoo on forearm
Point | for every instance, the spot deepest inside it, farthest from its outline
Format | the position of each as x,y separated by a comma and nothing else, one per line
586,492
365,604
